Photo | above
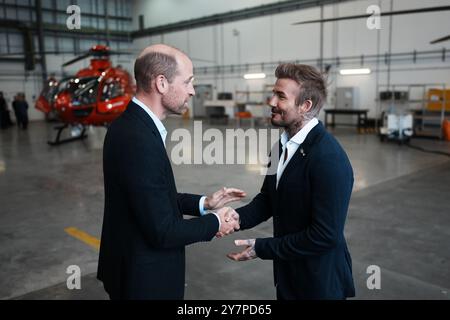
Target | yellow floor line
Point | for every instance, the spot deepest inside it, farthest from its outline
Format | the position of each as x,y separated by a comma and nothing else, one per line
83,236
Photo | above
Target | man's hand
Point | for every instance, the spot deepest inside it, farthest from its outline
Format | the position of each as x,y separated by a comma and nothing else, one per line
229,215
222,197
227,224
247,254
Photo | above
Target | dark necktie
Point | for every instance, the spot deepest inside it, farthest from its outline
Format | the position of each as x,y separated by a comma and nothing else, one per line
285,154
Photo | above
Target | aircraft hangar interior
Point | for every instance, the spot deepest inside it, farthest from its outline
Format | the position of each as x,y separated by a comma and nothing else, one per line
141,140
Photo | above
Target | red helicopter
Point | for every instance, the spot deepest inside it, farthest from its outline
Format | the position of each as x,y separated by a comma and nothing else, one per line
96,95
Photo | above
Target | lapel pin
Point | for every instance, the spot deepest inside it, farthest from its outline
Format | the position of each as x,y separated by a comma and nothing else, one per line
302,152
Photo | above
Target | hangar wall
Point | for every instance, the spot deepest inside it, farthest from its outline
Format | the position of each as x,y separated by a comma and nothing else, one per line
273,38
158,12
264,39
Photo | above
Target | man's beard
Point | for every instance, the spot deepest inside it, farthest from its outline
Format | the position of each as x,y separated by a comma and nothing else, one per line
172,104
277,123
290,125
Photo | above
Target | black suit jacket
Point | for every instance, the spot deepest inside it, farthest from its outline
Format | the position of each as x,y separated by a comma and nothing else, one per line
309,208
142,252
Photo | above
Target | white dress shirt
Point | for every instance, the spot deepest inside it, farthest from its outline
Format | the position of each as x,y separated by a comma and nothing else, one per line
292,145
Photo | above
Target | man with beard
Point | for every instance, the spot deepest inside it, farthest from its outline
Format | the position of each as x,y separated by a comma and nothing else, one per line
142,251
308,197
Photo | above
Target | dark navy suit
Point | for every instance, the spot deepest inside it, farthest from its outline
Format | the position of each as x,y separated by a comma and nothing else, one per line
309,209
142,253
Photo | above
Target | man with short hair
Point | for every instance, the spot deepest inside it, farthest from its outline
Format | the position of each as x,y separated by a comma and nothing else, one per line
20,106
142,251
308,197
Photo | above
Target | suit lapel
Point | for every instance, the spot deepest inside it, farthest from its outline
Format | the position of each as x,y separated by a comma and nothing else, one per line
302,152
137,112
294,162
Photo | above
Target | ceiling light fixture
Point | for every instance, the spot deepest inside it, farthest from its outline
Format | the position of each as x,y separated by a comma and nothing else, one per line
251,76
347,72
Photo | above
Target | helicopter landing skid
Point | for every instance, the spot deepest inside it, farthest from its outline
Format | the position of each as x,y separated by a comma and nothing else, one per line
59,141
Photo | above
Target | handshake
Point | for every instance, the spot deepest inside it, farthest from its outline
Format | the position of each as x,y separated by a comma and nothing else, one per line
229,219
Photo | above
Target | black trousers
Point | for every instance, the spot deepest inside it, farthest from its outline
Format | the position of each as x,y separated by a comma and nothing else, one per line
22,119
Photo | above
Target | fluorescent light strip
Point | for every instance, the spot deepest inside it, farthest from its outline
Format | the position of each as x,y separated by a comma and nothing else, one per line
346,72
251,76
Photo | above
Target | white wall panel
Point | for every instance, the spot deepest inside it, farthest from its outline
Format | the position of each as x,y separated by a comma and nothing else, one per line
205,54
294,42
158,12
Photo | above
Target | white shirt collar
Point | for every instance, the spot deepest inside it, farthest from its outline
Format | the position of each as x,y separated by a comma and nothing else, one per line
292,145
159,125
300,136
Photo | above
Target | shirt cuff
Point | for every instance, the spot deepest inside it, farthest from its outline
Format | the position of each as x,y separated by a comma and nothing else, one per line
201,207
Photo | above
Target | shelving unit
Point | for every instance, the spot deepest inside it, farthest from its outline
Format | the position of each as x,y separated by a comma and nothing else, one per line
254,101
427,122
256,97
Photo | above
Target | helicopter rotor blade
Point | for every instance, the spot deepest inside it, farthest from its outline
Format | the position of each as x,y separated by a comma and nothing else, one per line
22,53
390,13
441,39
83,56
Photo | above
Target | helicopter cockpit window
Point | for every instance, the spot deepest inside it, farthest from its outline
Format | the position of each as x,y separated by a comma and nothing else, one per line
84,90
50,90
111,89
64,84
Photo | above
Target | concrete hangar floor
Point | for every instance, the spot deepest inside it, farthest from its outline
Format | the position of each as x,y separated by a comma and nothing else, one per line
398,218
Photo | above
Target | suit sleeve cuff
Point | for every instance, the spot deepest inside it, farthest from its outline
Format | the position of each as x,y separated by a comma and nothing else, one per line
262,248
218,218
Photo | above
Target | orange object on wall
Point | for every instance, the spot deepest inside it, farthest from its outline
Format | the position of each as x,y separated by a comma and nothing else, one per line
446,129
435,99
243,115
186,114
